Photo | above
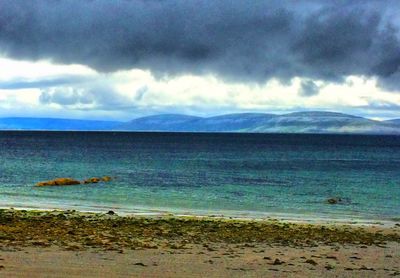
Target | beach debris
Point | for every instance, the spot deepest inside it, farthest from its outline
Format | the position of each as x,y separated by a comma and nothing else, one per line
334,201
59,181
43,228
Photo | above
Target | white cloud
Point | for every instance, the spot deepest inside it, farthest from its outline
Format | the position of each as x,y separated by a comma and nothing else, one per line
132,93
12,70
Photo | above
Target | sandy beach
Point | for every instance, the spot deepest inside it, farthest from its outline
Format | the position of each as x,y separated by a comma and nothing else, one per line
74,244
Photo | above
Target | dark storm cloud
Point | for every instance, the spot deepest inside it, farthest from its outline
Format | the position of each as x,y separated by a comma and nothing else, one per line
308,88
236,40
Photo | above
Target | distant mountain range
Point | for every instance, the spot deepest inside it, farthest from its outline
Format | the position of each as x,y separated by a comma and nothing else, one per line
54,124
298,122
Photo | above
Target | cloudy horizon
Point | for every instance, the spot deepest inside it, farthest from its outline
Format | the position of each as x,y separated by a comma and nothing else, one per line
119,60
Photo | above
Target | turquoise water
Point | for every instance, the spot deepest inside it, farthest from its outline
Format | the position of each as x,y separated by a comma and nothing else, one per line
230,174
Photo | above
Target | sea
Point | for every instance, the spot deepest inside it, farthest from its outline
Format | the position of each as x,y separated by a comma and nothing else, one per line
263,176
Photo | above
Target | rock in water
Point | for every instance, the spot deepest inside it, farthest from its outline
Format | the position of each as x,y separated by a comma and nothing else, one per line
59,181
92,180
97,180
106,178
334,201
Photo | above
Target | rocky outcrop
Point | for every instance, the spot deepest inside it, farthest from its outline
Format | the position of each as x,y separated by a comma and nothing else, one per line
334,201
97,180
70,181
92,180
59,181
106,178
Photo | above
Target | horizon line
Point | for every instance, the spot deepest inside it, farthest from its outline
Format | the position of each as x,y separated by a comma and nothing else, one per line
200,117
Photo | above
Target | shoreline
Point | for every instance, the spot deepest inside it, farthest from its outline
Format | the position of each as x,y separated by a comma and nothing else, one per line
259,229
225,214
71,243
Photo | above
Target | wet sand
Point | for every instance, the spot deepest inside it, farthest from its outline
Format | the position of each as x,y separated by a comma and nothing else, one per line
73,244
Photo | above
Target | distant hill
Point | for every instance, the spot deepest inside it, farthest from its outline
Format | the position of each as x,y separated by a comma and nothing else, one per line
394,122
164,122
324,122
54,124
231,122
176,122
298,122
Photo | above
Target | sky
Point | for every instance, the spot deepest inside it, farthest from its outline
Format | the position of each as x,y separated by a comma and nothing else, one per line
119,60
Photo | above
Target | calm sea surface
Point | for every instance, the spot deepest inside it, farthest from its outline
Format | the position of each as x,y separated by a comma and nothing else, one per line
250,175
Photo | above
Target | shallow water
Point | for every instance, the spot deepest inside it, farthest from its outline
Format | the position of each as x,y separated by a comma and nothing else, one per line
231,174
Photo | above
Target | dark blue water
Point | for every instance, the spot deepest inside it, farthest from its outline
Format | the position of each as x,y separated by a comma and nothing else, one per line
232,174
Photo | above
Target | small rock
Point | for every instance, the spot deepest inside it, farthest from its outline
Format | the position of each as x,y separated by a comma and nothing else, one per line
278,262
73,247
110,212
248,245
40,243
363,267
311,261
329,267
